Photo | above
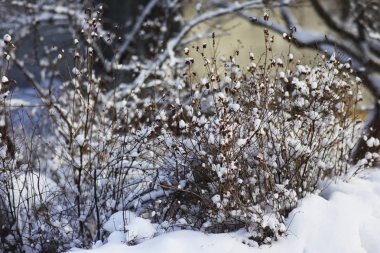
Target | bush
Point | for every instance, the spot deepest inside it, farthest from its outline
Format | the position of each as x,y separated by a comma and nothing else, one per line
72,161
244,144
234,149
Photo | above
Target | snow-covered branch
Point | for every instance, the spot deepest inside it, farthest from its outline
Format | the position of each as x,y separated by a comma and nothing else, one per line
174,42
129,37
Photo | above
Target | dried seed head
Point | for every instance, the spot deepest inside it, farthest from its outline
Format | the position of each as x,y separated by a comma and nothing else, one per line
76,71
251,56
290,57
189,61
7,38
266,15
76,55
4,80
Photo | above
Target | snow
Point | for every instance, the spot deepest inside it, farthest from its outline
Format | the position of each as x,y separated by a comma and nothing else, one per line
241,142
15,103
257,123
117,221
7,38
182,124
344,217
4,79
80,139
234,107
76,71
3,150
126,226
373,142
375,36
140,228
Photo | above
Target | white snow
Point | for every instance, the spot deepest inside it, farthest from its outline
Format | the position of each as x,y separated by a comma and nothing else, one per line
257,123
80,139
76,71
126,226
3,150
4,79
234,107
332,58
373,142
140,228
116,237
375,36
7,38
118,220
211,139
182,124
345,217
241,142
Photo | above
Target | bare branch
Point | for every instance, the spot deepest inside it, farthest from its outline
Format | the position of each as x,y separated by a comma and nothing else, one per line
136,28
173,43
333,23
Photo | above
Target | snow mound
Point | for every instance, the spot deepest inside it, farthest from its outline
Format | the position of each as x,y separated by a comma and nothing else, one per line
118,221
345,217
140,228
125,227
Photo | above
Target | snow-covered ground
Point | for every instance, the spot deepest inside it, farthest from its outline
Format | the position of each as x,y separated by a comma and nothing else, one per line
345,217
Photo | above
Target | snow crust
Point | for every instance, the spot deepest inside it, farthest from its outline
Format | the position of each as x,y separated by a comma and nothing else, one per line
344,217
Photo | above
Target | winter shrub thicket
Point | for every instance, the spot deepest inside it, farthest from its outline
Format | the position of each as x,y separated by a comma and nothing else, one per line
236,148
70,161
246,142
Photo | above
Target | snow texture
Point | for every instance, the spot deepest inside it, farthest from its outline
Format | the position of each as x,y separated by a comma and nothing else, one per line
344,217
126,226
